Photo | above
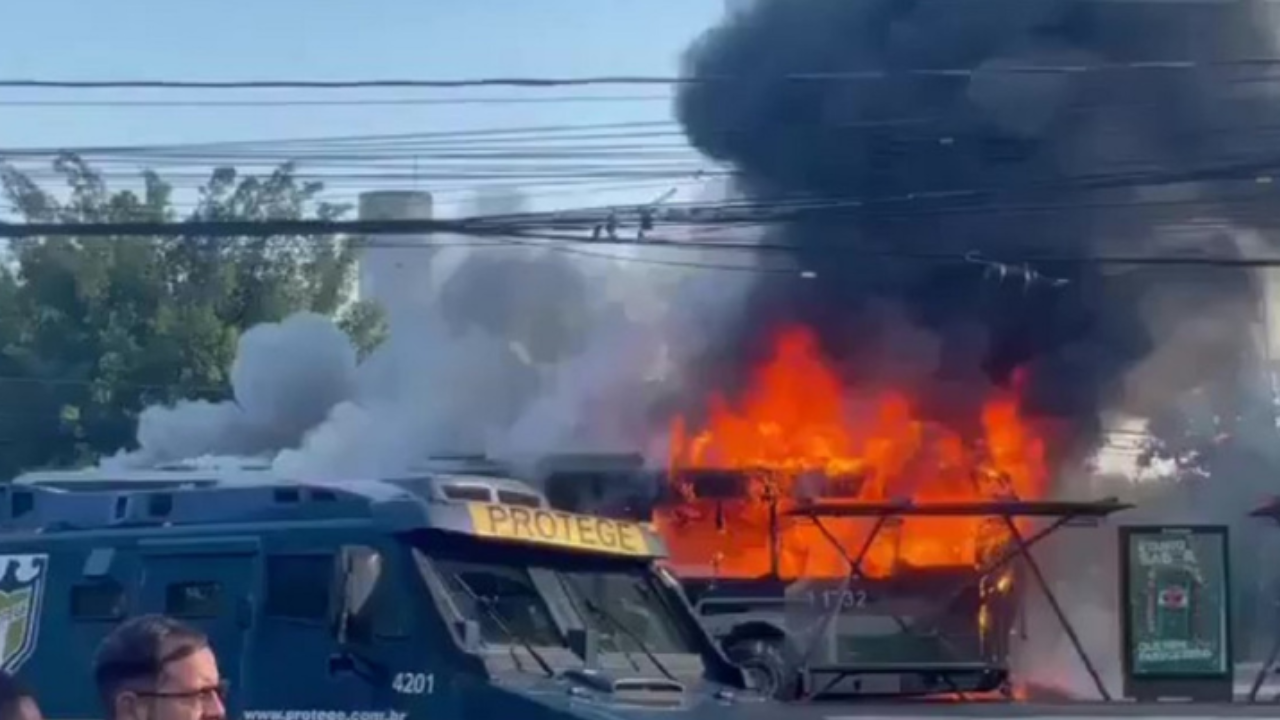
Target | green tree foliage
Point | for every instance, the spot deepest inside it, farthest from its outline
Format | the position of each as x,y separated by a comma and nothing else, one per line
94,329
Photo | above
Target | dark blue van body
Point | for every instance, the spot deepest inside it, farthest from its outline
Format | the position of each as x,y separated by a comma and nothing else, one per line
435,596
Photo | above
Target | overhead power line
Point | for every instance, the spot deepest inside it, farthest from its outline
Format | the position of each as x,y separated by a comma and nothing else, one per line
1170,64
545,137
236,228
333,84
513,236
1258,173
526,133
311,102
626,140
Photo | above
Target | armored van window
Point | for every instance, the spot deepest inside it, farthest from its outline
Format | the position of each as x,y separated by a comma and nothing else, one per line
98,601
477,493
518,498
297,586
193,599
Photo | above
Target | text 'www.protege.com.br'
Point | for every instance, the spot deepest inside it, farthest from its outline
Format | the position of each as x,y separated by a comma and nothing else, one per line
324,715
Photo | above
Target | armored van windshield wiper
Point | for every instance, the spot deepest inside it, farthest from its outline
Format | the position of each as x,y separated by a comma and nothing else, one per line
486,604
618,625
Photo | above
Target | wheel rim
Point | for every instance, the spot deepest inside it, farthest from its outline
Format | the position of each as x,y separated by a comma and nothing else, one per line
763,675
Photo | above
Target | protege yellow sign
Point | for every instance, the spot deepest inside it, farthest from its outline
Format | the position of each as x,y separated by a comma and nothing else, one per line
551,527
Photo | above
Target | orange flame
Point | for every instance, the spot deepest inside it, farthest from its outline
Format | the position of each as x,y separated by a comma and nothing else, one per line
796,424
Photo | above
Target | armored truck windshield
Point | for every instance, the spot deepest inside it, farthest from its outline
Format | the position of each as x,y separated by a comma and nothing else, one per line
543,609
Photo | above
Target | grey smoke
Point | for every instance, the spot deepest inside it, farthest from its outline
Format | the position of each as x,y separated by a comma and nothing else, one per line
1022,147
285,378
511,351
1019,149
550,292
424,391
951,162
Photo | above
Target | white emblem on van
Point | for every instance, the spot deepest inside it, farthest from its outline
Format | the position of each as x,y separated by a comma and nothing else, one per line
22,582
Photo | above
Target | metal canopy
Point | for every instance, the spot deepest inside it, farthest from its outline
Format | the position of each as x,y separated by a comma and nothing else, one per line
1269,511
999,508
1061,514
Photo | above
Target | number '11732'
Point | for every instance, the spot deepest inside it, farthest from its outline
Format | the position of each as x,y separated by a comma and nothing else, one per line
845,599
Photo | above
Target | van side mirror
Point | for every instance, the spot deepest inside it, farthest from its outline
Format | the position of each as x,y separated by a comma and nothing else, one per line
356,572
338,613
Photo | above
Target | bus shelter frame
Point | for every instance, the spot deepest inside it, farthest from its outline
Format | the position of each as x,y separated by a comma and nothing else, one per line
1059,514
1269,511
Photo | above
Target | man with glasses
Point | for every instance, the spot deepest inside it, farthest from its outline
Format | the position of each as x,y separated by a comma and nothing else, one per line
156,668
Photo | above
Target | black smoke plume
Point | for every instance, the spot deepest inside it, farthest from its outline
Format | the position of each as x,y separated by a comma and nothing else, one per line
1013,129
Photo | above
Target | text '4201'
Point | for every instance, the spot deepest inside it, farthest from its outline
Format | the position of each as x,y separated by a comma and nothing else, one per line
414,683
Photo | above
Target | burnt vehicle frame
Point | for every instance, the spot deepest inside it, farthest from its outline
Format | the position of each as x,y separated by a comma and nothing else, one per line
965,656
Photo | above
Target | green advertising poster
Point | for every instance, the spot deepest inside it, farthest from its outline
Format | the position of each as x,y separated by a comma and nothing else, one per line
1177,601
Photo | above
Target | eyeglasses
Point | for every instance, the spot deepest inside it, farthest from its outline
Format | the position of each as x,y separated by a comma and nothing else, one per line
204,694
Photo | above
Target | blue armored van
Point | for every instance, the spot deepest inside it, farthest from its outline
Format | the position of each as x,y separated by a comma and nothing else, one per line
430,596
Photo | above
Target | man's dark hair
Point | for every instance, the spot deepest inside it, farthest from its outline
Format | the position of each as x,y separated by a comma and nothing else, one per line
12,692
136,652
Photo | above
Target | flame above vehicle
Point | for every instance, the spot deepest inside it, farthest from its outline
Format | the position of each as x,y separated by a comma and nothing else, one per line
800,434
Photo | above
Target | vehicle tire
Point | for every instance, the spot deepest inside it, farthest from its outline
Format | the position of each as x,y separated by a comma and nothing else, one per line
764,660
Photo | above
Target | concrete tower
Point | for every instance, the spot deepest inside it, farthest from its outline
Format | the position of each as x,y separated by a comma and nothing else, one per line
394,268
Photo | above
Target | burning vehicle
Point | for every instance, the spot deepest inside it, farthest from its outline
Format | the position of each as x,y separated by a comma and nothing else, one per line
940,324
841,550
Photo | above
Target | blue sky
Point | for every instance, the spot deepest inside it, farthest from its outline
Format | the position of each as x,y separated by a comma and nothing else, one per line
332,39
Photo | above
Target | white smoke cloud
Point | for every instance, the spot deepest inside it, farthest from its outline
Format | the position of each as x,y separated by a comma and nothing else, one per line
515,352
285,378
